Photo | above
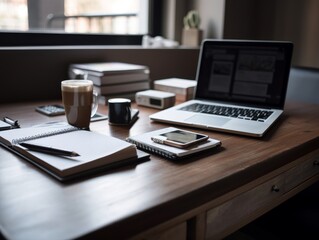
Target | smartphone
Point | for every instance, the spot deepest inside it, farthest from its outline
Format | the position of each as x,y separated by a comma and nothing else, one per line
180,138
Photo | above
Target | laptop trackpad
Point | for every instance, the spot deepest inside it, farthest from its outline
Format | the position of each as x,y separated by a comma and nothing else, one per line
207,120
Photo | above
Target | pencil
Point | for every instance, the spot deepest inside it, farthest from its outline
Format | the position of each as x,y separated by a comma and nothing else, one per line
49,150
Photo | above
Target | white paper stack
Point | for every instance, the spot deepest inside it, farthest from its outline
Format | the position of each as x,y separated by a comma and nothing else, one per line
183,88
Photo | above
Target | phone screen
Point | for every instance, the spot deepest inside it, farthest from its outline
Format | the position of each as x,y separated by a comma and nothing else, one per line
183,137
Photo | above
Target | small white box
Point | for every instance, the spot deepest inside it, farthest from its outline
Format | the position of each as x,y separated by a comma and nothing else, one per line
155,99
183,88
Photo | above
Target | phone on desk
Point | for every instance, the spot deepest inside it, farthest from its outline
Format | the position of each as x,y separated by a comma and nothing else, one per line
180,138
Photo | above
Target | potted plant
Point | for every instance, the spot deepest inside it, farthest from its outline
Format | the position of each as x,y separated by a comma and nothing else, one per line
192,35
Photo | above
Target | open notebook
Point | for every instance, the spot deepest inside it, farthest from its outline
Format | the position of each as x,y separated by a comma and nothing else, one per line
96,151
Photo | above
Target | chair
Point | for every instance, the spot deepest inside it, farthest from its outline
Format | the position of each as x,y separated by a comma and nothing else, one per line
303,85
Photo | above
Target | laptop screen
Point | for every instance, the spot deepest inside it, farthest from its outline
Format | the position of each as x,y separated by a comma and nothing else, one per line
244,72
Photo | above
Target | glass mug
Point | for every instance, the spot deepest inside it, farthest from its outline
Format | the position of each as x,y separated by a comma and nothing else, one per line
80,102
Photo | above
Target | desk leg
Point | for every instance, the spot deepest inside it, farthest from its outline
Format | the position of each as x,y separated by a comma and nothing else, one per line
196,227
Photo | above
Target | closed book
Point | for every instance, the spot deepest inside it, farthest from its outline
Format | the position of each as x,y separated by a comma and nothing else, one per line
95,151
118,78
183,88
122,88
103,73
144,142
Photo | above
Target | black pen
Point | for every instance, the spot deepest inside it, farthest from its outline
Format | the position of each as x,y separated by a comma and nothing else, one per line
49,150
13,123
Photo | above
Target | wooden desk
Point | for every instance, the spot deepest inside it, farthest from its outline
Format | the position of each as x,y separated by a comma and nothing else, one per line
209,197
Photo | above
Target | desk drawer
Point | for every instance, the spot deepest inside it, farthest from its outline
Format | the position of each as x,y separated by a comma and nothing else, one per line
221,219
308,167
247,206
177,232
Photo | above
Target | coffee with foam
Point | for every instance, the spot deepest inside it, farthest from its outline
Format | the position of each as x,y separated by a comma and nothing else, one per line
77,97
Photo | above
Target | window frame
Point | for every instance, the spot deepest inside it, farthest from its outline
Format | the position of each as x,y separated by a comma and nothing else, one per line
49,38
29,38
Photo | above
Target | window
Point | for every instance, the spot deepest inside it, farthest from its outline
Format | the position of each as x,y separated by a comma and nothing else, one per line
13,15
76,16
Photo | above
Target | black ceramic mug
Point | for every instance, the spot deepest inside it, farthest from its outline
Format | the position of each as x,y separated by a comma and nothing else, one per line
119,111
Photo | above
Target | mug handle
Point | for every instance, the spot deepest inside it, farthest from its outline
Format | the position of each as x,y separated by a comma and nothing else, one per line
129,117
95,103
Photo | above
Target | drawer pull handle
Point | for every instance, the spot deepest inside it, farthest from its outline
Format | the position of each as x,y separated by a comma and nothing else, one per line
275,188
316,163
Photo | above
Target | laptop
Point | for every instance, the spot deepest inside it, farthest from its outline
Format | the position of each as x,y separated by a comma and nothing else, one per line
241,87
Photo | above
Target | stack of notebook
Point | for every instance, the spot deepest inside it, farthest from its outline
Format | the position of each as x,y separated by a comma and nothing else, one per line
114,79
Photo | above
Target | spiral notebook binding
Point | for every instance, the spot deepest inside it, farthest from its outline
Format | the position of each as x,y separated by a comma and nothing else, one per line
47,134
156,151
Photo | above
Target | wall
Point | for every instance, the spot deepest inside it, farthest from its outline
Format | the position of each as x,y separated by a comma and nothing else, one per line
173,14
295,21
38,10
212,14
35,73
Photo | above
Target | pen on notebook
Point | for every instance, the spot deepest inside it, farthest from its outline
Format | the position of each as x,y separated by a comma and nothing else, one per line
49,150
13,123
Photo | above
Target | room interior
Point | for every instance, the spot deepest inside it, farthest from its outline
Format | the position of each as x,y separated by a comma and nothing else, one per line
221,19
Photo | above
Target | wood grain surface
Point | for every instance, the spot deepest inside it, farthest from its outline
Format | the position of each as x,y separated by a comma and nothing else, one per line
124,202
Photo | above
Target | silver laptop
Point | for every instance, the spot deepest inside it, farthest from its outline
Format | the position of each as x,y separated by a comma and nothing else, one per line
241,87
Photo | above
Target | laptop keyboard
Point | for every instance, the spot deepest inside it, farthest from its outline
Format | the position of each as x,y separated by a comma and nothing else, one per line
242,113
